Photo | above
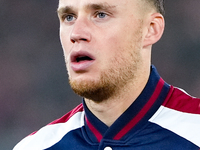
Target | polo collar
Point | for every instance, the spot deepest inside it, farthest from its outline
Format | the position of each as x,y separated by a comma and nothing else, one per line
134,118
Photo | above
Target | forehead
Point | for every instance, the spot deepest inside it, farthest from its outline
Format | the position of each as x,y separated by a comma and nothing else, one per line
81,4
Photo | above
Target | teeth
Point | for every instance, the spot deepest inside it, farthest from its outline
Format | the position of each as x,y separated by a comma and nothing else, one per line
82,58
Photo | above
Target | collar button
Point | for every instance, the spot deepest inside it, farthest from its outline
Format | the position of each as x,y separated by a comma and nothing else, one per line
107,148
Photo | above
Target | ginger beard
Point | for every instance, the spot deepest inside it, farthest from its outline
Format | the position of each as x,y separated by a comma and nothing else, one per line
109,83
122,69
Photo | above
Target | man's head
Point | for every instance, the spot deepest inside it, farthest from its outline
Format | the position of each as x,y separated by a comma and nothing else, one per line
107,43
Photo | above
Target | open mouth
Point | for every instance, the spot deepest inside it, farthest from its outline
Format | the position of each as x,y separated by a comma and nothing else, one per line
83,58
78,57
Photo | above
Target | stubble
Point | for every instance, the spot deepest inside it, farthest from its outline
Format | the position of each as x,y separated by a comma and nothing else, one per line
121,71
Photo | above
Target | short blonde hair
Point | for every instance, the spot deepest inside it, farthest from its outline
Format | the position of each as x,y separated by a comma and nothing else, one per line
158,4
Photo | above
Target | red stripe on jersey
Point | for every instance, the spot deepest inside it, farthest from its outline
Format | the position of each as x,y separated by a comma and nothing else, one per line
32,133
94,130
142,113
66,117
183,102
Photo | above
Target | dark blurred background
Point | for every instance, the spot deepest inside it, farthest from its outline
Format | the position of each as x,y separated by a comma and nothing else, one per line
34,86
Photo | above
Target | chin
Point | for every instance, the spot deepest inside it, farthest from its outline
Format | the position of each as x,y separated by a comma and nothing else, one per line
96,90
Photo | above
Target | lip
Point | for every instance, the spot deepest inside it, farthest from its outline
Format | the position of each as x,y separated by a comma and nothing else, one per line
80,66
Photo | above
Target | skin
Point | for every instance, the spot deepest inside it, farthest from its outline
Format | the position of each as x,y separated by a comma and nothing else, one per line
119,37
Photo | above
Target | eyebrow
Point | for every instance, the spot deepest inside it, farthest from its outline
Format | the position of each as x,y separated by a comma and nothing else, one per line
66,9
98,6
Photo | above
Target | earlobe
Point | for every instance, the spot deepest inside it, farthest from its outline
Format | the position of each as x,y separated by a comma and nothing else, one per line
155,29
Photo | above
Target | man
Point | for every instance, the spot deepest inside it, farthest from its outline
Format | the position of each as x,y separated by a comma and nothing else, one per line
127,105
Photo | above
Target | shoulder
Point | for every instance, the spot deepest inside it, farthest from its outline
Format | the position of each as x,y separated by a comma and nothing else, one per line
69,115
181,101
53,132
180,113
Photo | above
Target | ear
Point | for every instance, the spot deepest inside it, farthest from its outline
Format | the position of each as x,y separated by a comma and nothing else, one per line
156,25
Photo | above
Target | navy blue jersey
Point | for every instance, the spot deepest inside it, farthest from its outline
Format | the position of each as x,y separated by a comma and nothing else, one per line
163,117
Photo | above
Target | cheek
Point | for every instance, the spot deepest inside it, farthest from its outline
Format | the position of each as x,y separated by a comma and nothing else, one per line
119,48
65,42
64,35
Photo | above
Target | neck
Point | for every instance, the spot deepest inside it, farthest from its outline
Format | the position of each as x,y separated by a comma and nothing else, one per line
109,110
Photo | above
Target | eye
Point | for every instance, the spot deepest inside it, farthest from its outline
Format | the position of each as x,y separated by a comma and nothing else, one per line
101,15
69,18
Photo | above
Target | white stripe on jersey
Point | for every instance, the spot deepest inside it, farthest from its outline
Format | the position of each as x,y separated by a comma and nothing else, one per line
51,134
186,125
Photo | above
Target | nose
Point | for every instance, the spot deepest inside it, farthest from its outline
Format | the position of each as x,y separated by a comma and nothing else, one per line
81,31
